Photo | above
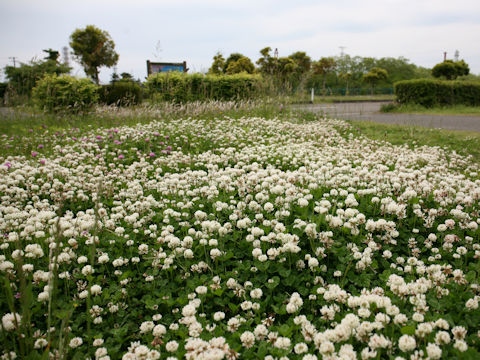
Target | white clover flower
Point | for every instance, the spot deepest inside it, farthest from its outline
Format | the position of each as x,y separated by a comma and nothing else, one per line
282,343
171,346
326,348
300,348
215,253
260,332
460,345
256,293
248,339
82,259
407,343
201,290
100,353
472,304
313,263
146,326
442,338
188,310
434,351
40,343
87,270
75,342
159,330
417,317
43,296
10,321
302,202
218,316
98,342
95,289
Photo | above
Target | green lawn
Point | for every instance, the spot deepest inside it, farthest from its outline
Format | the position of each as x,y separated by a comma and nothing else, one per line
353,98
306,98
463,142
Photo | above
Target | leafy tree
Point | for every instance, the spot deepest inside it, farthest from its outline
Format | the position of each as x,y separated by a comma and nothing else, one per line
397,68
93,48
286,66
446,69
450,69
323,67
115,77
232,58
302,60
462,68
366,64
23,78
126,76
217,65
243,64
374,76
52,55
266,63
345,76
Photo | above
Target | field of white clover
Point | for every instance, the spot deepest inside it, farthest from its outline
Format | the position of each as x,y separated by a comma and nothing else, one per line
238,239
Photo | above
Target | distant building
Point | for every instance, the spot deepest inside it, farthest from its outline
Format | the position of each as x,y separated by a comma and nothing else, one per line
156,67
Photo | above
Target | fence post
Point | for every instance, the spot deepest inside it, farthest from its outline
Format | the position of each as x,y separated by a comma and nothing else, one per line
312,95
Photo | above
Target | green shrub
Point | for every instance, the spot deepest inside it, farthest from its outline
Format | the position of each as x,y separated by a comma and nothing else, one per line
181,87
431,93
386,108
65,93
121,93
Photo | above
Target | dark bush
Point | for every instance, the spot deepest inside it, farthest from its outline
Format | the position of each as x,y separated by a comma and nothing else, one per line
121,93
431,93
181,87
3,90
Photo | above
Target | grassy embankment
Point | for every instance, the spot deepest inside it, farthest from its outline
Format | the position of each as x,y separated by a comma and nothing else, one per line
443,110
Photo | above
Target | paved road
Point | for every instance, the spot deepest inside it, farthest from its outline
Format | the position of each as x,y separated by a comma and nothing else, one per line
369,111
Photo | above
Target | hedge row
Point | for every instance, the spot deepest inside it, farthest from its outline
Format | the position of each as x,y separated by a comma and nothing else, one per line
121,93
58,93
431,93
180,87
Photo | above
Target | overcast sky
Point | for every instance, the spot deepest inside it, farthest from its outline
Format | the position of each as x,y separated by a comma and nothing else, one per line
194,30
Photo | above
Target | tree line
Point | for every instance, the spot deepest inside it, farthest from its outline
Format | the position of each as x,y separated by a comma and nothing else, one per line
93,48
299,71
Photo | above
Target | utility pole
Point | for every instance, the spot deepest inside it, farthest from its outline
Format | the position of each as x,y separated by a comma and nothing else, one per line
342,48
457,55
66,59
14,61
444,56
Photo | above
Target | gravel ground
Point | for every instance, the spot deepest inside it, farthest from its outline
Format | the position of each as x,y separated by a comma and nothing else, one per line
370,111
